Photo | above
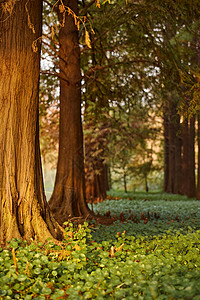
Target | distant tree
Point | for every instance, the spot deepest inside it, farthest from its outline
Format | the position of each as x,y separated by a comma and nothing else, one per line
137,55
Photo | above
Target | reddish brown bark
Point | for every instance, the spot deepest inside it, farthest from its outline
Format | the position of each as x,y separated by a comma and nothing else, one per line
191,162
188,161
97,186
178,159
172,139
198,175
166,151
197,58
68,198
185,158
23,209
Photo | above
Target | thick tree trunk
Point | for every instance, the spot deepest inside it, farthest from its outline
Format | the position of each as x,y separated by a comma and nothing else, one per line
68,198
100,183
172,147
23,209
97,186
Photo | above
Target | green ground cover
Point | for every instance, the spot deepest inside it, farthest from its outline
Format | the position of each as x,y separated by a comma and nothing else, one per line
151,252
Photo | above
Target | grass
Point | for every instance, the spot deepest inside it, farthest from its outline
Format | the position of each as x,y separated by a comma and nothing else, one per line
155,254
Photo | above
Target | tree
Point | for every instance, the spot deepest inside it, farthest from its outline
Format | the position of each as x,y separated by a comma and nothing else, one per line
178,71
23,209
140,50
173,143
68,198
198,175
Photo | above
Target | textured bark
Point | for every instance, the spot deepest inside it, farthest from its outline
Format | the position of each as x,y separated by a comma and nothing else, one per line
197,58
97,186
68,198
23,209
191,174
198,175
185,159
172,147
178,159
166,151
172,137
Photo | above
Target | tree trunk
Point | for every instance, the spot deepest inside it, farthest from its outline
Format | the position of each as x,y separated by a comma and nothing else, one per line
102,182
178,159
124,180
146,183
191,174
198,176
166,150
68,198
23,208
97,186
185,158
172,139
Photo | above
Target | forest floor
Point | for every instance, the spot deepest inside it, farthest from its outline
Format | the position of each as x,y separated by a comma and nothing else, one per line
151,250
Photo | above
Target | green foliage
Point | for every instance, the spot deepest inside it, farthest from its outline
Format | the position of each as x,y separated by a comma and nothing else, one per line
127,260
162,212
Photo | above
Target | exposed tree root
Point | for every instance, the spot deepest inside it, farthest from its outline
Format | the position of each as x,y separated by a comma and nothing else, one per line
34,226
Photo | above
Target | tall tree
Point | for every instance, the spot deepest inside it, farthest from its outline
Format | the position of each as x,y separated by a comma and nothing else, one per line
68,198
23,209
172,139
198,174
191,162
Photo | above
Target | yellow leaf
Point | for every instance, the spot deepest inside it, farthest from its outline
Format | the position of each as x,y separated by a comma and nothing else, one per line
52,32
77,247
15,261
61,8
97,3
62,254
112,251
70,234
87,39
119,248
34,46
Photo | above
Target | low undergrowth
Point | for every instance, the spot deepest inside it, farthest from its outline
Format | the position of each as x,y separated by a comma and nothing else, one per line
151,252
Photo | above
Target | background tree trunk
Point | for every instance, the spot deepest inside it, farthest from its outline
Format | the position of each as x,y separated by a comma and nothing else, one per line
68,198
166,150
178,158
172,137
23,209
198,176
124,180
191,173
185,158
97,186
172,147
